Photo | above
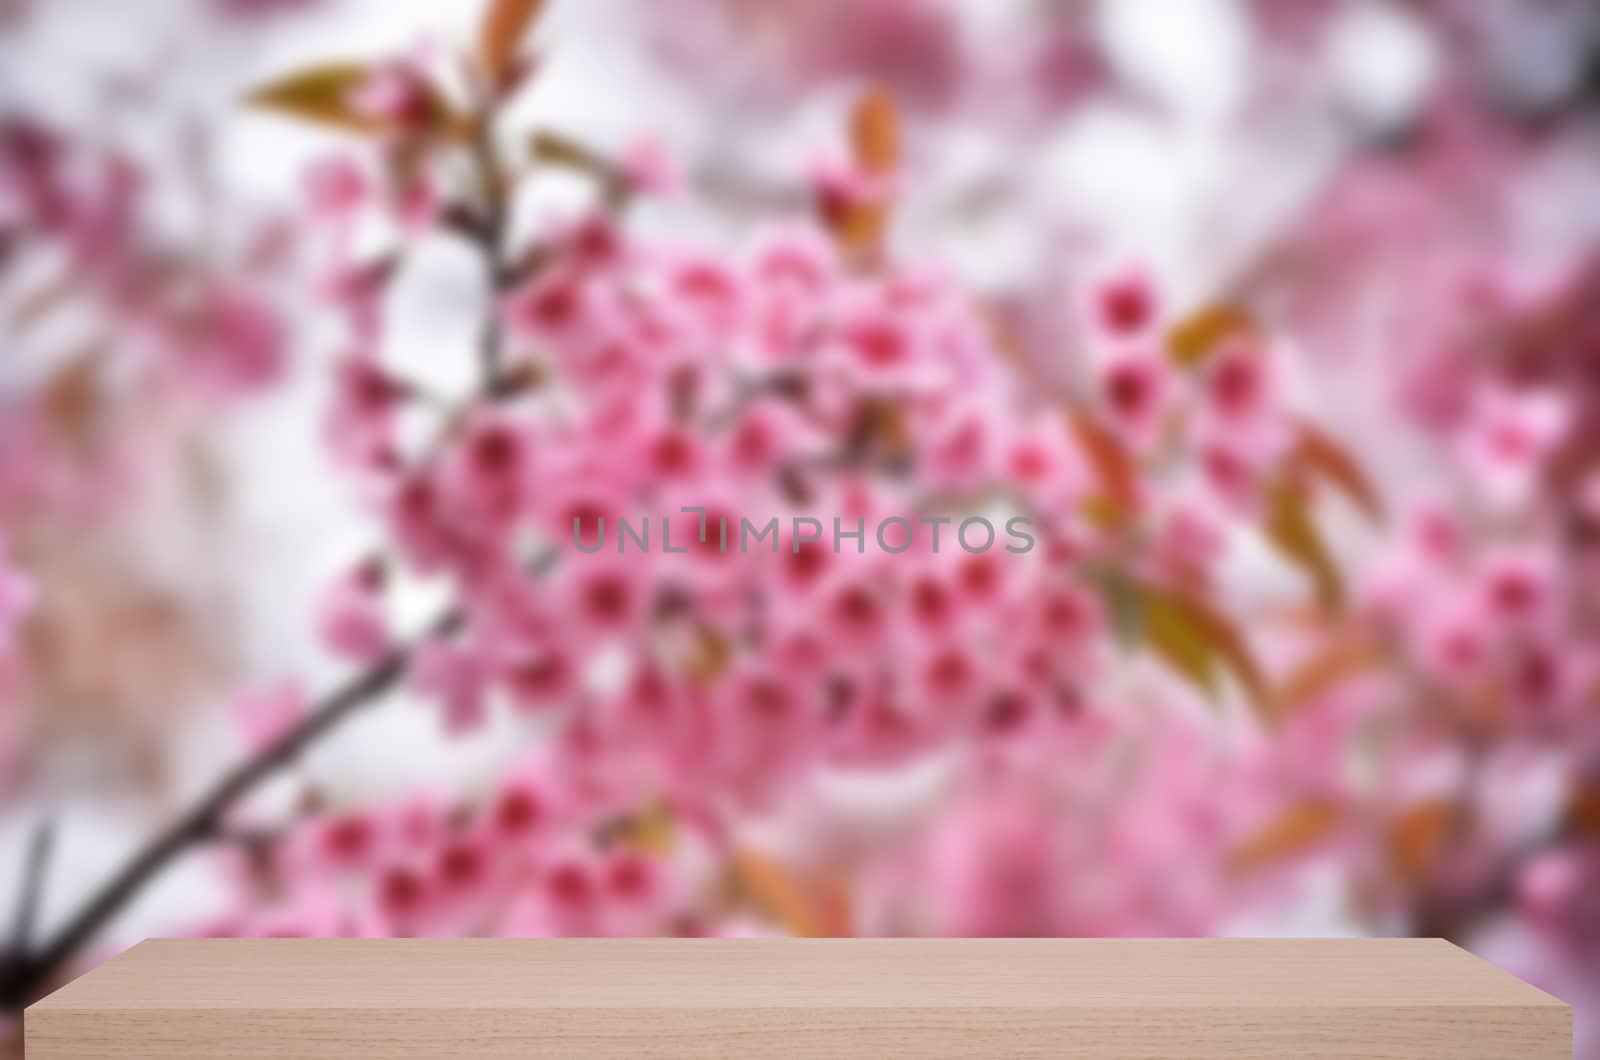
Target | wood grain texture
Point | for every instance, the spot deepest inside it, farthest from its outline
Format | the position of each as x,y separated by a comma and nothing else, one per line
920,999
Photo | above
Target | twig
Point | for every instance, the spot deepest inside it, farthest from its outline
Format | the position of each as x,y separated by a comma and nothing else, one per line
34,870
490,236
24,975
202,821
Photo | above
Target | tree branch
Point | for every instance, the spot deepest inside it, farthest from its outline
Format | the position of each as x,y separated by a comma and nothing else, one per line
31,889
205,818
23,975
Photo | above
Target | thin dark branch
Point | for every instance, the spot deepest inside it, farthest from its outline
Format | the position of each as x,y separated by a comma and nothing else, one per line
207,817
25,975
34,870
489,236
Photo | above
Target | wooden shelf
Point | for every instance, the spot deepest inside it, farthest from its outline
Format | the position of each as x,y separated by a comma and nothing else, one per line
655,999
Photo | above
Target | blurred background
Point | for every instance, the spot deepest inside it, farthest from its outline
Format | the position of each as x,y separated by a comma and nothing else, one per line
1404,191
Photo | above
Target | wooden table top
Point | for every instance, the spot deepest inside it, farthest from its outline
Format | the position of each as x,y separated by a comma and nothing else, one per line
656,998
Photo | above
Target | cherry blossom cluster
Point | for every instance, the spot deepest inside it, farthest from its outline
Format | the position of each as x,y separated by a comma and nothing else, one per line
701,686
110,313
700,527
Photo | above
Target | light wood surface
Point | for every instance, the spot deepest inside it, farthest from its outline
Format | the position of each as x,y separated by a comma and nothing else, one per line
654,999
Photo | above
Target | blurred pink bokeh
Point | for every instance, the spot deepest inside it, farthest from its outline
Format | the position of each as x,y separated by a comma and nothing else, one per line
1276,324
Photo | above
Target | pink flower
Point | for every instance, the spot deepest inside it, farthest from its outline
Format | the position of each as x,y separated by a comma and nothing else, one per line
337,187
1191,538
405,898
397,95
489,474
416,204
842,187
1234,470
996,868
357,292
1125,306
556,308
423,524
353,621
878,340
265,715
344,842
239,344
1556,891
1510,436
1456,640
521,810
571,892
1040,459
465,869
1136,390
1437,535
361,422
649,169
541,678
959,449
1541,679
1518,586
1238,383
17,598
794,264
456,677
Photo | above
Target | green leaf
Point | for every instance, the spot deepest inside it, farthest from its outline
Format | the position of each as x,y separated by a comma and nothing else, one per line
319,94
1180,642
1197,336
1292,532
557,149
1198,642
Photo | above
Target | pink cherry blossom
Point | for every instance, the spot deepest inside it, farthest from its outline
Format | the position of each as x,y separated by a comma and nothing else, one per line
1137,393
353,621
1508,439
264,715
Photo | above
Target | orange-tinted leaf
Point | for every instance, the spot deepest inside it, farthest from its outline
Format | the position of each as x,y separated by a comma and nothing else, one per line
1583,807
505,23
554,149
1232,648
875,132
860,227
72,401
1293,533
1295,831
1118,498
1200,643
1197,336
652,830
834,908
1325,669
1180,643
709,654
779,895
319,94
1318,452
1415,839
